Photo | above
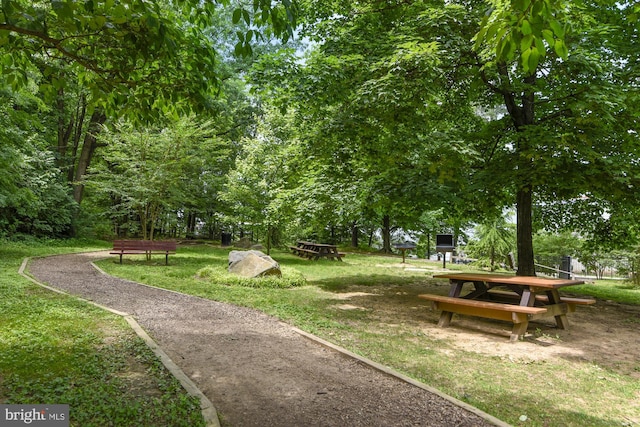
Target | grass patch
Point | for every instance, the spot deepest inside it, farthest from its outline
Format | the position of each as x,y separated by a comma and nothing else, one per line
56,349
506,388
218,274
612,290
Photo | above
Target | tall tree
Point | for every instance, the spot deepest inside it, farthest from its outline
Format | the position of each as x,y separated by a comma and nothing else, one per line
148,172
33,197
495,240
568,79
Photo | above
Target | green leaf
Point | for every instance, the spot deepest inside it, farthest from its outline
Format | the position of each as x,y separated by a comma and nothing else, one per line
526,27
479,38
120,14
492,30
237,15
557,28
7,60
525,59
238,49
548,36
561,49
526,42
540,47
99,21
534,59
538,5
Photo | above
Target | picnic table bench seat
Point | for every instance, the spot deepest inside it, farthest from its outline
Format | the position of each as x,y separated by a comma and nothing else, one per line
492,310
570,301
316,251
304,252
144,247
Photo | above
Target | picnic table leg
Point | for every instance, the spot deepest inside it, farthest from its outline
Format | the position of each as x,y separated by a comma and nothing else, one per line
519,329
454,291
480,288
554,298
527,299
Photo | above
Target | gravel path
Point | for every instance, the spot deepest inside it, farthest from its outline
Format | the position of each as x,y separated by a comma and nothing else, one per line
256,370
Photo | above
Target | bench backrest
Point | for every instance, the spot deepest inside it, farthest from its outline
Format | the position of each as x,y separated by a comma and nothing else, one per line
144,245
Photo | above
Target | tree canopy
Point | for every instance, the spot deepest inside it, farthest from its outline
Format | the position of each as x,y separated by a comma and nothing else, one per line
389,111
531,104
143,55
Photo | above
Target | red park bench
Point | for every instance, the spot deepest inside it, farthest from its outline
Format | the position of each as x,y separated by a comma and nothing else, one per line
144,247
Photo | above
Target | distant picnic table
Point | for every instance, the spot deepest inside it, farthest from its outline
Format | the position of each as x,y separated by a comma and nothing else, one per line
316,251
403,247
522,299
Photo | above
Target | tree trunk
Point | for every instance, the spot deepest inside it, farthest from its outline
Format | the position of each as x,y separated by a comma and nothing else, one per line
526,263
269,240
386,234
492,258
354,235
521,110
88,148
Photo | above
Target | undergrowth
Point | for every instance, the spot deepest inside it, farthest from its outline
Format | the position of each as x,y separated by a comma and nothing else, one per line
219,275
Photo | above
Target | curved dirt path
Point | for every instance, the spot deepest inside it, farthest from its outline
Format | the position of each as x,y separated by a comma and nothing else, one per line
256,370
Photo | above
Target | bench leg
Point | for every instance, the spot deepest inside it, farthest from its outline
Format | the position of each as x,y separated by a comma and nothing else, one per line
445,319
519,329
166,259
120,258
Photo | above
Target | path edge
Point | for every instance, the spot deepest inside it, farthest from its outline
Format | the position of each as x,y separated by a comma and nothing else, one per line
209,412
386,370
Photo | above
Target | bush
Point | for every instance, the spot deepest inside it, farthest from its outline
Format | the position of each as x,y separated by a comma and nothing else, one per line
291,278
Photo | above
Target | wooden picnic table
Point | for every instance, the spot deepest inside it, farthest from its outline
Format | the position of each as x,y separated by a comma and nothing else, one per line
403,247
521,299
316,251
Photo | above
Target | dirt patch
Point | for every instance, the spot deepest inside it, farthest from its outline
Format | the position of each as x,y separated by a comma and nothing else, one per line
615,325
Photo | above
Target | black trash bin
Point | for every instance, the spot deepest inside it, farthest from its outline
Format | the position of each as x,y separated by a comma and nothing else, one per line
226,239
565,268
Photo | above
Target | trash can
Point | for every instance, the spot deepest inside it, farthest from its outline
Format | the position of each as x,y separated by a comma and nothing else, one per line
226,239
565,267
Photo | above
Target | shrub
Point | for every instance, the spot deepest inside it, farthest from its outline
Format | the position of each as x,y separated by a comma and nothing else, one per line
291,278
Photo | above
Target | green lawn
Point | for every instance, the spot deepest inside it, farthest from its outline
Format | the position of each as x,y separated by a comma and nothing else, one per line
55,349
589,394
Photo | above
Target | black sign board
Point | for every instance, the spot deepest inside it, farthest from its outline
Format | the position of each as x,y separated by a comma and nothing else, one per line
444,243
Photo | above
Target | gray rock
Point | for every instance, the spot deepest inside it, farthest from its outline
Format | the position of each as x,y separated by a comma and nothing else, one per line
253,264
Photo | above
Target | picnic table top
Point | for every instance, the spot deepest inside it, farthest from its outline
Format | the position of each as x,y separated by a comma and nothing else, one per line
540,282
324,245
404,245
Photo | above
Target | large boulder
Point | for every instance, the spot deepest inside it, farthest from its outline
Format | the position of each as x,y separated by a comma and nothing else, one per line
253,264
